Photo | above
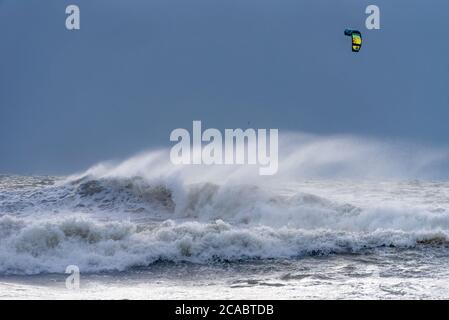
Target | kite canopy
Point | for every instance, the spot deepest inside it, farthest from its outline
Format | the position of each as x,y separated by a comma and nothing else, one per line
356,37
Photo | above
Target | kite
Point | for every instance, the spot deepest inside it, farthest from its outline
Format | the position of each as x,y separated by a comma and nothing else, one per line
356,37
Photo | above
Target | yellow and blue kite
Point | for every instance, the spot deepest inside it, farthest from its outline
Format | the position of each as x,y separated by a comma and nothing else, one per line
356,37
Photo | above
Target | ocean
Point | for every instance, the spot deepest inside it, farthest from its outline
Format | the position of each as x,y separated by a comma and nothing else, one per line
141,229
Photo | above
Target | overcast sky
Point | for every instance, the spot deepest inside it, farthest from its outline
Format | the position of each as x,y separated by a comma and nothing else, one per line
139,69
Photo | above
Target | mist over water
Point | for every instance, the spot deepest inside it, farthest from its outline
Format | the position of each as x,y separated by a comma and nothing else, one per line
301,156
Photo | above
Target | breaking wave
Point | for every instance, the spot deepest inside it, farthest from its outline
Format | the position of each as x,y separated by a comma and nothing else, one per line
94,246
143,210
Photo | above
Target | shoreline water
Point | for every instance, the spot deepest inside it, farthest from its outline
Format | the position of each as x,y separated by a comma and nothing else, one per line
409,274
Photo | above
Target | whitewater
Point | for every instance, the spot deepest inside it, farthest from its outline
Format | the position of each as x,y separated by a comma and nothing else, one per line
345,217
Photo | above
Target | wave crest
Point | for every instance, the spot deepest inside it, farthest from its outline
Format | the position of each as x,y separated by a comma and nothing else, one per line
94,246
